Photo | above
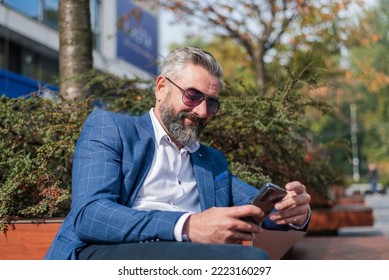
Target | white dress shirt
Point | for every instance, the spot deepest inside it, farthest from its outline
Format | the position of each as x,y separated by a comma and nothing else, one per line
170,184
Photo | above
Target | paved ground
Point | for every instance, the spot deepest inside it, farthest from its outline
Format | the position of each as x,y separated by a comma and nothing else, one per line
359,243
380,204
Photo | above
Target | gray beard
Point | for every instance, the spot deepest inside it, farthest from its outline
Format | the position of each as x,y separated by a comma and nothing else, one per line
185,135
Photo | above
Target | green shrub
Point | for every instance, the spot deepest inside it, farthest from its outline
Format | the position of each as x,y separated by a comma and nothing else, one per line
37,138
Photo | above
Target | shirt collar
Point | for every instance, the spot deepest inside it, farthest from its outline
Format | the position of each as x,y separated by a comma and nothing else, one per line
161,135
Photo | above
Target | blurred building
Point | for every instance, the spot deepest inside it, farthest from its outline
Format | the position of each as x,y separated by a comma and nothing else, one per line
29,42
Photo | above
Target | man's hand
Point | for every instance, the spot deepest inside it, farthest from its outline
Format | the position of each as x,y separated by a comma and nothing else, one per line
294,208
222,225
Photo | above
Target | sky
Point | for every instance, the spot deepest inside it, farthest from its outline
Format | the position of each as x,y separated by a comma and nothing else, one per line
169,33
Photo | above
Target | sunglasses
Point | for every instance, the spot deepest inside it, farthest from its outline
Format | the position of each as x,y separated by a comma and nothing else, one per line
192,97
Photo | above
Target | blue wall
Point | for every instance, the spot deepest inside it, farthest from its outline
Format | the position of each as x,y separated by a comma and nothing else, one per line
15,85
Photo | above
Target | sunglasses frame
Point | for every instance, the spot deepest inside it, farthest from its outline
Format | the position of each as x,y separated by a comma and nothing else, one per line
204,97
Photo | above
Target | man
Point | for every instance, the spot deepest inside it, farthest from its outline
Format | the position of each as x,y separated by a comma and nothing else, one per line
373,177
144,188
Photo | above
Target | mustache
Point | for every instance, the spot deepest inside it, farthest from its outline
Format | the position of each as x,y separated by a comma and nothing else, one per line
193,118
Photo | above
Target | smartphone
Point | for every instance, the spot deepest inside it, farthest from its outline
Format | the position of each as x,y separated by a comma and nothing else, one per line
265,199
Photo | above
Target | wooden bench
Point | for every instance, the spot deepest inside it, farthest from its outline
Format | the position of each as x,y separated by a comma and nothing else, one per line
26,240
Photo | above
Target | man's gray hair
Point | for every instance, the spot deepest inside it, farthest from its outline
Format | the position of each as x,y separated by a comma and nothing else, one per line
178,59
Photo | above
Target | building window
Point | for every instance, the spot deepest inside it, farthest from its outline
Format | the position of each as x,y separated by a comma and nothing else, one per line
46,11
29,63
27,7
38,67
95,22
50,13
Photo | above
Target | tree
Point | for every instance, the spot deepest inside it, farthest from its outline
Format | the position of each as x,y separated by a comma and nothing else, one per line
369,77
271,30
75,52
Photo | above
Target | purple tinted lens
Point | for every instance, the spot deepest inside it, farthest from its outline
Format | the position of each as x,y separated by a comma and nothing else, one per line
212,105
193,98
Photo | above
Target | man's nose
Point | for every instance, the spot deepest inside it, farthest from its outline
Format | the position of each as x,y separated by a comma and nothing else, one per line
201,110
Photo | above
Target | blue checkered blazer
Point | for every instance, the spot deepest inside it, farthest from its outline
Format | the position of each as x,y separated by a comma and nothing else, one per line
112,158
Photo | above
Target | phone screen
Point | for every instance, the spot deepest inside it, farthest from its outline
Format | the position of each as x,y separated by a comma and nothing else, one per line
268,195
265,199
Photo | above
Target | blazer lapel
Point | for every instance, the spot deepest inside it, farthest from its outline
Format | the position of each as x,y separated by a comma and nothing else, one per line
145,148
204,178
146,132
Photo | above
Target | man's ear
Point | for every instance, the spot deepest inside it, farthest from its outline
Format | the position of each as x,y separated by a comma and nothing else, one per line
161,88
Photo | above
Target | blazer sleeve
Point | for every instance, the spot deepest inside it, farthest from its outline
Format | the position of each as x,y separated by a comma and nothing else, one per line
98,193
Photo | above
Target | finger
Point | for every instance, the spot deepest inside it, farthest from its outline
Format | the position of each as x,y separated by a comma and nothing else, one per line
249,223
295,210
245,211
293,215
293,201
296,220
296,187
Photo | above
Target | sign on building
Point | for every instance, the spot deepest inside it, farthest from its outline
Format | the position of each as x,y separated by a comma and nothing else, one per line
137,40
